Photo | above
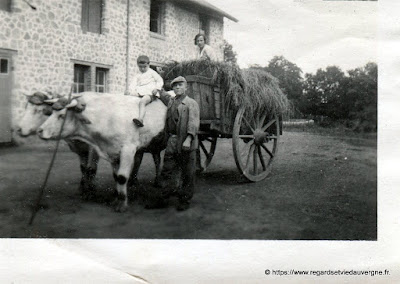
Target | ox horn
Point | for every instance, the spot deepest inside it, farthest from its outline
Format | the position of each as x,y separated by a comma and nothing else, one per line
48,94
72,104
26,95
51,101
75,96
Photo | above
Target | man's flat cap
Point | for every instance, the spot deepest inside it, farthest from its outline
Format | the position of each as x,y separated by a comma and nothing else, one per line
178,80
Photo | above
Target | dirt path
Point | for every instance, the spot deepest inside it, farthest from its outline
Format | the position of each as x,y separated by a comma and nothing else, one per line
321,187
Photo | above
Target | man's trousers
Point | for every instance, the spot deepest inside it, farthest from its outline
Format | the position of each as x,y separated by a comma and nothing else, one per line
178,172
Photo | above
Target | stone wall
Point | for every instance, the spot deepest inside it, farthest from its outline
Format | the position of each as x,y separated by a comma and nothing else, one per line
49,39
216,39
181,26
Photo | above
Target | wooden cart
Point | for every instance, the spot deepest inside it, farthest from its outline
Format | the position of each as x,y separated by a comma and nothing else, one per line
255,136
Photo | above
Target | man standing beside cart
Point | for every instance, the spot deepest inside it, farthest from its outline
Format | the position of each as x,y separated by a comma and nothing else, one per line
182,125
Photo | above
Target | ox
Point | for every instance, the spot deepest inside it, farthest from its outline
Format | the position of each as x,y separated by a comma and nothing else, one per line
110,131
39,108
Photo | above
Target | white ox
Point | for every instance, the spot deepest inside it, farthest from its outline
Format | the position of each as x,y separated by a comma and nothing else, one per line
110,131
35,114
37,111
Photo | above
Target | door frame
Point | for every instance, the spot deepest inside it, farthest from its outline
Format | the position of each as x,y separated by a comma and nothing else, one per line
9,54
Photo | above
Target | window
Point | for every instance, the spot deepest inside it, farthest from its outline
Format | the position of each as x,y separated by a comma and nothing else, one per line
81,78
204,25
90,77
3,66
156,17
5,5
101,80
91,15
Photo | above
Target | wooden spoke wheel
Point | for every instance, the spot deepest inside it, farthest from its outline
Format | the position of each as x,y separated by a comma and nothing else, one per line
207,147
255,143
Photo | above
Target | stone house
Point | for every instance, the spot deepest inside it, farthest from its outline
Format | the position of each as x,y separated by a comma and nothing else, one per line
92,44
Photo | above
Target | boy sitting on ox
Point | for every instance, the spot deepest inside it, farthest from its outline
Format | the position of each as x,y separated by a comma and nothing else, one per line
147,85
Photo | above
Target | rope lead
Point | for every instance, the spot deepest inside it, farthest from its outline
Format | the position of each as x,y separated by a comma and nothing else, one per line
36,207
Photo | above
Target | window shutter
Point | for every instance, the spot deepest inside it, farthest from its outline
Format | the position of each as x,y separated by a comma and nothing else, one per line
85,15
91,15
5,5
95,7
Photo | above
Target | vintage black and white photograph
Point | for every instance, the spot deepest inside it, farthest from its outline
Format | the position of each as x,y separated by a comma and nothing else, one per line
190,119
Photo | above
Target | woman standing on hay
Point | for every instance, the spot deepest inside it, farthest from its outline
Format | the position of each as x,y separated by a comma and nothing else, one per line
204,51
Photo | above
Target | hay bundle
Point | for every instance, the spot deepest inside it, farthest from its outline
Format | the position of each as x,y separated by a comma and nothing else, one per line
264,91
255,89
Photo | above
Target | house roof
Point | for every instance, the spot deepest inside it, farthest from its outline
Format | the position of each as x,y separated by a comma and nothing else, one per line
206,7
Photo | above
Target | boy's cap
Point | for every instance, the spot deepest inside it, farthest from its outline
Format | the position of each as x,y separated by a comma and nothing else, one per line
143,59
178,80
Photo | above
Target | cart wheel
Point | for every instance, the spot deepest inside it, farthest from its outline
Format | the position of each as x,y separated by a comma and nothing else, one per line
207,147
255,143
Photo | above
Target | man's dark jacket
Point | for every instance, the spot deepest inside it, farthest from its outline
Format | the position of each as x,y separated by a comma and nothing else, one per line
188,121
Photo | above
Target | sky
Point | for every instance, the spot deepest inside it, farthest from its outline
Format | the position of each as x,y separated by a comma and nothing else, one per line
310,33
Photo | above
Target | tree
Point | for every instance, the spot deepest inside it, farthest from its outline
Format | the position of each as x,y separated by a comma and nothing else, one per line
257,66
349,99
229,53
362,97
289,76
323,93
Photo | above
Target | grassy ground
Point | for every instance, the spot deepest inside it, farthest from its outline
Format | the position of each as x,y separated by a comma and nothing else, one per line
330,131
323,186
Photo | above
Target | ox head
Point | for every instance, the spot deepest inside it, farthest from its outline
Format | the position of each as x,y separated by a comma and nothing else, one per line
63,110
37,110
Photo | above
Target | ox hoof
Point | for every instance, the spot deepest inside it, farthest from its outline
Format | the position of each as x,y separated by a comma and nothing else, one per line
121,206
88,195
157,183
183,206
133,183
115,202
200,169
86,187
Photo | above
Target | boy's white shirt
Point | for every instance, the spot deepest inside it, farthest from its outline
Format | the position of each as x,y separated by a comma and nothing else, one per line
144,83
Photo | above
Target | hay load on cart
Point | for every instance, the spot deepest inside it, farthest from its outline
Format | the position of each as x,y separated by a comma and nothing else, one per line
243,104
